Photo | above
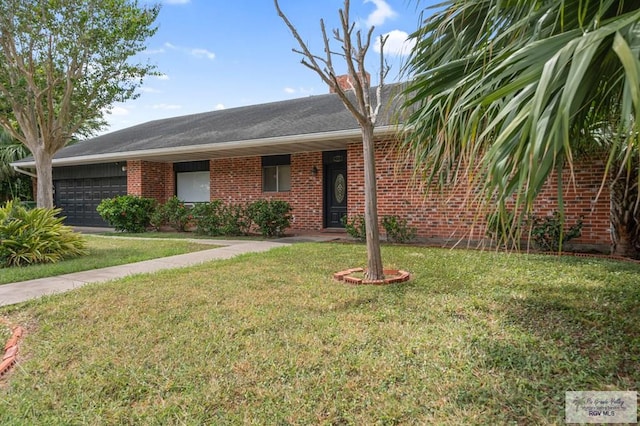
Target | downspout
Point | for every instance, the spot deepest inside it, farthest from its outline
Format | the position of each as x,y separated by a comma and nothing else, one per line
24,172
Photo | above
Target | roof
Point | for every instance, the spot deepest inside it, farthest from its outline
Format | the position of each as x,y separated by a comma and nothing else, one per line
298,125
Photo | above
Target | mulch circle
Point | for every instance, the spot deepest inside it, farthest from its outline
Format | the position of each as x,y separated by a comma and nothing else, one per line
391,276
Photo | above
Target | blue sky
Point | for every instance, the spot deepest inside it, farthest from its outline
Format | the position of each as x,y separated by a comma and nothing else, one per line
216,54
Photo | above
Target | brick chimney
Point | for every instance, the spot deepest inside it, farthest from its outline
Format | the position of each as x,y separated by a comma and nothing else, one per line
345,82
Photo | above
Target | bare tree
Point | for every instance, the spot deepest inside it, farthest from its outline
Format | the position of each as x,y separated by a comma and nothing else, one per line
354,48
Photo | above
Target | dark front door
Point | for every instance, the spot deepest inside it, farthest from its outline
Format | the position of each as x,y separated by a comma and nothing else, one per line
335,188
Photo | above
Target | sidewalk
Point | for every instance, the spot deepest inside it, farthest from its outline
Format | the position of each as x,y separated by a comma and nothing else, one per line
26,290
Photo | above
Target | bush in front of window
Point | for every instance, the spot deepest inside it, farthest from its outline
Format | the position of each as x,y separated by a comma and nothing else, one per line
216,218
127,213
271,217
173,213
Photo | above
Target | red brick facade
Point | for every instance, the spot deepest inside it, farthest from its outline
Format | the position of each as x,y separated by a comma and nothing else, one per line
153,180
445,216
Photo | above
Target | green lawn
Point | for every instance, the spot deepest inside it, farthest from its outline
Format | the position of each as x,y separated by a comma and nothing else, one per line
270,338
103,252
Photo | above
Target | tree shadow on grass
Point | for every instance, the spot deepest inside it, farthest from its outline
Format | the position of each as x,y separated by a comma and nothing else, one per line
562,336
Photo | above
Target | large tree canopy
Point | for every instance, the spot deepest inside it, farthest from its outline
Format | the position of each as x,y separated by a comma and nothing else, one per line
505,92
63,63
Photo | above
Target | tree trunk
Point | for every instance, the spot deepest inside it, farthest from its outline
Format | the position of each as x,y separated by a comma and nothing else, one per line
44,184
625,214
374,257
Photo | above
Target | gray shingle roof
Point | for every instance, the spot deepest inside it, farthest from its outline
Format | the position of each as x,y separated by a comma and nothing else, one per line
270,121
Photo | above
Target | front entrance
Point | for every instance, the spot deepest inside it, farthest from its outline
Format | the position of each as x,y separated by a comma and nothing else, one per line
335,188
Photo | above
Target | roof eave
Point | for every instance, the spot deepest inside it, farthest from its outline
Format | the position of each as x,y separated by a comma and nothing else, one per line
302,143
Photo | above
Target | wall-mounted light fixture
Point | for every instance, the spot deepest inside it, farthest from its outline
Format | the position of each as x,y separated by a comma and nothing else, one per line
314,171
124,168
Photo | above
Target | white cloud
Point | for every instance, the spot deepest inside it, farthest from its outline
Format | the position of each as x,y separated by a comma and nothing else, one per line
397,43
300,90
196,52
203,53
149,90
154,51
166,106
162,77
119,111
219,107
381,14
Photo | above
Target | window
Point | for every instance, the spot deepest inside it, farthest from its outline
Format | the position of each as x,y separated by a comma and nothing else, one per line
276,173
193,187
192,181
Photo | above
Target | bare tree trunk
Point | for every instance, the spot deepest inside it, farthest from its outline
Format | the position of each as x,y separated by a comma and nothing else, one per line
374,257
44,184
625,214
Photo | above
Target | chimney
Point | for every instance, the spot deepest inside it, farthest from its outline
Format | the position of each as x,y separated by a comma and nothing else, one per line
345,82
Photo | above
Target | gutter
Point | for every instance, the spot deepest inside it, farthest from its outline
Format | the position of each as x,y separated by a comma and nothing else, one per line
22,171
213,147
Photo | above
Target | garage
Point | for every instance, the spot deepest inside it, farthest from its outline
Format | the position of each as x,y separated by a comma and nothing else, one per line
78,190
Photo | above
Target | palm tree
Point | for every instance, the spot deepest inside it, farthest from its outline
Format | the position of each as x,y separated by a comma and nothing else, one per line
12,186
504,91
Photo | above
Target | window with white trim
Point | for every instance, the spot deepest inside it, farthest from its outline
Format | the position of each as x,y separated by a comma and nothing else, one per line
276,173
193,187
193,181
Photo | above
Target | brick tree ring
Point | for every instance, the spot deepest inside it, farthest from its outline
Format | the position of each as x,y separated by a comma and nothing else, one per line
353,276
10,350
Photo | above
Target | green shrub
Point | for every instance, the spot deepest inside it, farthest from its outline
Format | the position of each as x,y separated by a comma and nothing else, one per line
271,217
216,218
397,230
548,233
35,236
173,213
207,218
127,213
355,227
235,220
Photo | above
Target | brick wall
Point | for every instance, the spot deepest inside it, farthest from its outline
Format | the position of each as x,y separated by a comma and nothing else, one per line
452,215
149,179
239,180
441,216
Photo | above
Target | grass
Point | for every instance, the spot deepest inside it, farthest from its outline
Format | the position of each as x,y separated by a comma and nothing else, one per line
178,236
474,338
103,252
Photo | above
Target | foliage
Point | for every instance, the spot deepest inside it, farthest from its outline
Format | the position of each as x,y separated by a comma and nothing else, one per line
62,65
216,218
548,233
502,93
355,226
127,213
271,217
35,236
502,228
12,185
269,338
398,230
173,213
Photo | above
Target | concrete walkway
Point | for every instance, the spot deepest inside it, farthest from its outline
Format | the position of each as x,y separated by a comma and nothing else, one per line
27,290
